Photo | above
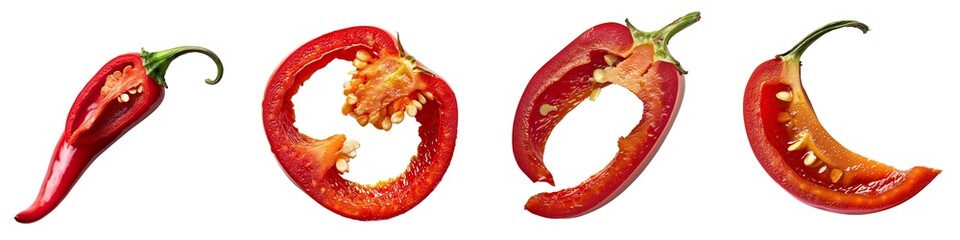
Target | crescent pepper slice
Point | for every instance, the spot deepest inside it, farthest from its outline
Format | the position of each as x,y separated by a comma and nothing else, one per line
799,154
387,84
605,54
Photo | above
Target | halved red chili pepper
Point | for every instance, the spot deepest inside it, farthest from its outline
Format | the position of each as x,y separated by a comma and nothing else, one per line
387,83
124,92
799,154
608,53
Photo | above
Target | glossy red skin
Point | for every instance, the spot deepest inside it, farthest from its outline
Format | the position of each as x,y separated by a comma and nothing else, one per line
563,82
386,199
769,140
69,161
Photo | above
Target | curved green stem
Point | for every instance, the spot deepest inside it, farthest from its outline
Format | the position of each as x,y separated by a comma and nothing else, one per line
662,37
798,49
156,63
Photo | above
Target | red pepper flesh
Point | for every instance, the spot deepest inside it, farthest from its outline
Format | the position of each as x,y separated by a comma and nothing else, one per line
387,84
608,53
124,92
798,153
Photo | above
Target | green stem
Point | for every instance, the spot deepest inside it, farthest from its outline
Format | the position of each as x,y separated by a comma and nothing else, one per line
662,37
798,50
404,55
157,63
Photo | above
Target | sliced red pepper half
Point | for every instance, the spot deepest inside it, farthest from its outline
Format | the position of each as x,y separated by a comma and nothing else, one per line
799,154
120,95
387,84
605,54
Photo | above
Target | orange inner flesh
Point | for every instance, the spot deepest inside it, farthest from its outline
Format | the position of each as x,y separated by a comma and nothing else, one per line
319,155
381,91
627,72
822,158
119,86
384,88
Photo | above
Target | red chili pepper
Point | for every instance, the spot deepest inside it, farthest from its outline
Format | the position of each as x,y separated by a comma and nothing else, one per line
608,53
802,157
124,92
386,84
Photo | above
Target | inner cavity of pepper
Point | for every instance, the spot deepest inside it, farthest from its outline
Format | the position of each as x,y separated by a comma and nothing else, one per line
377,154
802,153
120,90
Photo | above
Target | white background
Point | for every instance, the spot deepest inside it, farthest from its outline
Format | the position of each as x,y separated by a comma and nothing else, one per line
201,166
